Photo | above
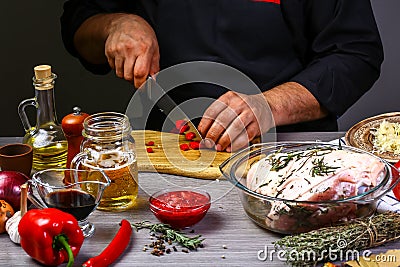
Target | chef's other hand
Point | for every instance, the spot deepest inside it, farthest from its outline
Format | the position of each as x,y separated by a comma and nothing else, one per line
235,119
132,49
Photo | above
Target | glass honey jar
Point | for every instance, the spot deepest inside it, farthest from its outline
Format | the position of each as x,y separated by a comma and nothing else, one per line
108,145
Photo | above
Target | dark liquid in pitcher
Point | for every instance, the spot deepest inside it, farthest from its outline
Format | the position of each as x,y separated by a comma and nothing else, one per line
77,203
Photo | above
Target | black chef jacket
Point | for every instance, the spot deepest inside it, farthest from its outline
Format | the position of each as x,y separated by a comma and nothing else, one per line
332,47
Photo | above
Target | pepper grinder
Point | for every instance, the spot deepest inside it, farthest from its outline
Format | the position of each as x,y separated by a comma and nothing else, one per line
72,125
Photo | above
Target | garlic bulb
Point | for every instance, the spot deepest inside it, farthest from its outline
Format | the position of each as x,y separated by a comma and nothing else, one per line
12,227
12,223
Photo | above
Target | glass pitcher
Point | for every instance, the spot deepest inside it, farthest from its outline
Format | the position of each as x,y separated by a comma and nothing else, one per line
77,192
46,138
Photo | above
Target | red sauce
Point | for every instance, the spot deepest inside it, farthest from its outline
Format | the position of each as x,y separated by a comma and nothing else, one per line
180,208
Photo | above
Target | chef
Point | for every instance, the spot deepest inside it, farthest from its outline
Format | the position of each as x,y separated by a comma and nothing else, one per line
311,59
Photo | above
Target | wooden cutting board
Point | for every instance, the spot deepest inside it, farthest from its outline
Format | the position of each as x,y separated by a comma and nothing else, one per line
168,158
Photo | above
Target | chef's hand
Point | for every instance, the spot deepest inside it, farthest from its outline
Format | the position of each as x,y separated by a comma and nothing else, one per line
235,119
132,49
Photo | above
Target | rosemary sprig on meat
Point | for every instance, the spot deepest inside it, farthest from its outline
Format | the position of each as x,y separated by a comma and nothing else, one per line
282,161
318,245
320,168
278,161
171,234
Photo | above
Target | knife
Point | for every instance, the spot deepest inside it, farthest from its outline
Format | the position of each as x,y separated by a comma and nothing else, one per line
168,106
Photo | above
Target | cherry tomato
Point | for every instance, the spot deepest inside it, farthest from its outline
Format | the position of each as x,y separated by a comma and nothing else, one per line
190,136
184,129
194,145
150,143
184,147
180,123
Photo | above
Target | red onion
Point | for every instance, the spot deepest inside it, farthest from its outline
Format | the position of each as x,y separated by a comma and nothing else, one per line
10,190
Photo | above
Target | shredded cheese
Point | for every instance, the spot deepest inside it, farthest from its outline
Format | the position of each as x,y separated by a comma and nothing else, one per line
387,137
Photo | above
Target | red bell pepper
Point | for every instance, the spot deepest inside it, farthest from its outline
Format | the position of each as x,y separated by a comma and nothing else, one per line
50,236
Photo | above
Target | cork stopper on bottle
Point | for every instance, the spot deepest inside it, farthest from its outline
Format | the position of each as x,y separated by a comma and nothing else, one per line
42,71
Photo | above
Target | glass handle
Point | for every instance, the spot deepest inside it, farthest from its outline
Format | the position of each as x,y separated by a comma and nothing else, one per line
31,196
22,113
75,164
77,160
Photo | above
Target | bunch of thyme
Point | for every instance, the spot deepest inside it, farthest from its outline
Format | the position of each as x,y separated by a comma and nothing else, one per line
171,234
307,249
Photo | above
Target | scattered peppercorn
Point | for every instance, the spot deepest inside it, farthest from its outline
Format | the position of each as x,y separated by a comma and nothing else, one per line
163,244
149,150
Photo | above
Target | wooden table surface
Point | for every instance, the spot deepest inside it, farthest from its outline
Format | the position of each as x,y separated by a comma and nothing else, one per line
231,239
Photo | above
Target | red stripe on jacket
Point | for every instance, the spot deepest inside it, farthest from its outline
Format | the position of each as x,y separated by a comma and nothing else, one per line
270,1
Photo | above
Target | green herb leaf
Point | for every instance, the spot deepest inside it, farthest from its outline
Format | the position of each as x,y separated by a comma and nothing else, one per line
174,235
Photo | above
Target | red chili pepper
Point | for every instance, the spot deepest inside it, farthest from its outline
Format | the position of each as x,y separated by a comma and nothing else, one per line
149,150
194,145
190,136
150,143
50,236
184,147
114,249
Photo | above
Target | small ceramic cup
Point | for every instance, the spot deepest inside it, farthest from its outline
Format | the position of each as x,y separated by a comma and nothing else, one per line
16,157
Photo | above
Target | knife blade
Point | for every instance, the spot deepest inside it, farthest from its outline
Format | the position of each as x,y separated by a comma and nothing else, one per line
157,95
168,106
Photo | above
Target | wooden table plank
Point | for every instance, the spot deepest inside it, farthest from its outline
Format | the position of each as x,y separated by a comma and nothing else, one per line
225,224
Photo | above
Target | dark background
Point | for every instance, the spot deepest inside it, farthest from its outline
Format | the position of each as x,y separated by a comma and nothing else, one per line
30,35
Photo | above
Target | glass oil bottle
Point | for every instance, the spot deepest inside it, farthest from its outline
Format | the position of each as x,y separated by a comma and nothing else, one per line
49,144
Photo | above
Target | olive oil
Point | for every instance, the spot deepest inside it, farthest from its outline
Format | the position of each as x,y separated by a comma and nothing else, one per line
52,155
47,139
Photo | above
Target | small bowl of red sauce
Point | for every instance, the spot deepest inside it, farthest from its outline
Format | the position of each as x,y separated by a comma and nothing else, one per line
180,208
